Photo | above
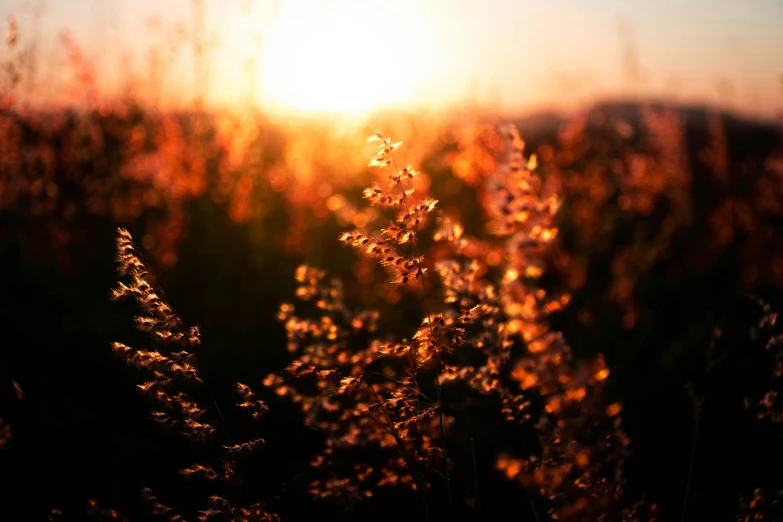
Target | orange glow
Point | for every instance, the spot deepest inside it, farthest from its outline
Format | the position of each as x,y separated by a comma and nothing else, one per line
343,57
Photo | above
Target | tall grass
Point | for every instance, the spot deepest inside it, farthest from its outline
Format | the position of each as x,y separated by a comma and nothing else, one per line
478,332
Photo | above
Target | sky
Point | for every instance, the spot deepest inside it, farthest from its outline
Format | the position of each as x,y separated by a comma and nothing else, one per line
354,55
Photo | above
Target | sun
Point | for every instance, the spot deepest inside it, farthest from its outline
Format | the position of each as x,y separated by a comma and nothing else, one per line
343,56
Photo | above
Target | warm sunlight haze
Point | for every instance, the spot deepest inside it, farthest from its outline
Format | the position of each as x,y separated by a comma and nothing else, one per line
391,260
348,56
353,56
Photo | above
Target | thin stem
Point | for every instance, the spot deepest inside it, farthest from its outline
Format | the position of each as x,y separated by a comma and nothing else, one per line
402,384
414,242
535,512
440,422
379,423
420,272
211,396
222,419
413,467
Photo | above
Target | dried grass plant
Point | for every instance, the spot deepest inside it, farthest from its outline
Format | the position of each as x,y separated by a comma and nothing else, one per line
173,375
389,399
490,333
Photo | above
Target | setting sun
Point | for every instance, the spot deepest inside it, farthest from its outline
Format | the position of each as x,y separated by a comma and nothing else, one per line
343,56
399,260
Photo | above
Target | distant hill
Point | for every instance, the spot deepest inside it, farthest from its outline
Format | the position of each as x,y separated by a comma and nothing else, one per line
545,124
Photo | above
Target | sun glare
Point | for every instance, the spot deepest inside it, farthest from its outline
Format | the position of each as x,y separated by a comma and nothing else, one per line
343,56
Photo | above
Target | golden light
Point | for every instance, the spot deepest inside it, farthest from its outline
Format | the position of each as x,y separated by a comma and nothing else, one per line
346,56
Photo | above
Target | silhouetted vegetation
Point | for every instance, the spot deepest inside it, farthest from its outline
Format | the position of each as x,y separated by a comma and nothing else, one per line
218,316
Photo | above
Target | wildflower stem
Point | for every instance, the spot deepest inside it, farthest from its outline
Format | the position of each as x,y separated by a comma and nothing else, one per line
392,379
379,423
220,413
414,242
410,461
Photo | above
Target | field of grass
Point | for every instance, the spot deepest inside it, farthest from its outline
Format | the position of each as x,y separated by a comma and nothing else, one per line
217,315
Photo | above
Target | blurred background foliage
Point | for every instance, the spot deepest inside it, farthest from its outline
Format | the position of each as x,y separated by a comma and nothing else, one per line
670,226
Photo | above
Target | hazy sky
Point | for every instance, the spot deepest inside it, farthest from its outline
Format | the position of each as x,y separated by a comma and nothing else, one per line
358,53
